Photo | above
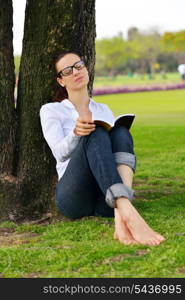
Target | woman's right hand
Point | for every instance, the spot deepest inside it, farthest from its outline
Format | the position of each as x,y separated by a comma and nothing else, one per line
84,126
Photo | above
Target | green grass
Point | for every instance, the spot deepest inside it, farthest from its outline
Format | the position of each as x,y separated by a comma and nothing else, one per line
136,80
160,108
85,247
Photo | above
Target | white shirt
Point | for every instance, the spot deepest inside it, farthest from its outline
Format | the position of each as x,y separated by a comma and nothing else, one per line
58,121
181,69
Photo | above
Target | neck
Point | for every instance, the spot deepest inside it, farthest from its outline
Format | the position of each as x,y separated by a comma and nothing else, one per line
80,99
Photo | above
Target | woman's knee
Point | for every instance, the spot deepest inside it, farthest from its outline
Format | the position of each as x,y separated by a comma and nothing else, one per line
99,136
121,132
122,140
99,132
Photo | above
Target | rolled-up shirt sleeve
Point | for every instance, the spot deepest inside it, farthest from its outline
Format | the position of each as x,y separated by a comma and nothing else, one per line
60,145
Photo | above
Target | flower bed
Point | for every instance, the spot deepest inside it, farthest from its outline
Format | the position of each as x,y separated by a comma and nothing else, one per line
126,89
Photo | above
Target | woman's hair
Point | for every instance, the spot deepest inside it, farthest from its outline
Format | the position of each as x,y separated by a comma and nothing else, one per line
61,92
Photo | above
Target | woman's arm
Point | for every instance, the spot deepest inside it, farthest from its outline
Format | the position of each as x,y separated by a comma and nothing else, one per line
60,145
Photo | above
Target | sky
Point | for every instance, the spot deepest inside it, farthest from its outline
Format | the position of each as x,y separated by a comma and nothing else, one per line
114,16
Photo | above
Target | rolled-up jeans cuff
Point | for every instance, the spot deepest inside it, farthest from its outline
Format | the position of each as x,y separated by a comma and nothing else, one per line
116,191
126,158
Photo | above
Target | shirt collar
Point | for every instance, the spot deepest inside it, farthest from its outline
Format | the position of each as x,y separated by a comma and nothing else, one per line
68,103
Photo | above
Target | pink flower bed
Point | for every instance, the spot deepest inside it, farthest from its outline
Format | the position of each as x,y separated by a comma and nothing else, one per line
126,89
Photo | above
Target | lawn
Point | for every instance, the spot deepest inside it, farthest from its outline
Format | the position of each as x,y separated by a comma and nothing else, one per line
85,247
136,80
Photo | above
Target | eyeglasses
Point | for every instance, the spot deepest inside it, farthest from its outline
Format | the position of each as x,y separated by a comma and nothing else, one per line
69,70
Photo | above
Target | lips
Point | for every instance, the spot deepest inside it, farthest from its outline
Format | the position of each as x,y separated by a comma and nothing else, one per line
78,78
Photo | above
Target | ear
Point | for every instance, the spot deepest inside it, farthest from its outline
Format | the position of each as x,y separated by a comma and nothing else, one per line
60,81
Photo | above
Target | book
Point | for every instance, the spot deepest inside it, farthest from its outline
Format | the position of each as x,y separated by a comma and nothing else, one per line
122,120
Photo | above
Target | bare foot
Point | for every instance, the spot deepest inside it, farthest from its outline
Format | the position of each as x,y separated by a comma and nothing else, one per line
139,229
122,233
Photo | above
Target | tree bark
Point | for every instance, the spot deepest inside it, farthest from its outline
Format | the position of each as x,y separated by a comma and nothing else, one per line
51,26
7,81
8,199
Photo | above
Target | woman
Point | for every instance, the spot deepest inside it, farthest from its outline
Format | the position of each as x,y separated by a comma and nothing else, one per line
95,167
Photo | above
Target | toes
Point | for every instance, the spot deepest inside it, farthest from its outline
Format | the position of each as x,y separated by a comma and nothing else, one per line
150,241
124,240
160,237
154,242
127,242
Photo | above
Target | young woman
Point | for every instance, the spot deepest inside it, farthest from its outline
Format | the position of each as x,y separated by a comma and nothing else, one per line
95,167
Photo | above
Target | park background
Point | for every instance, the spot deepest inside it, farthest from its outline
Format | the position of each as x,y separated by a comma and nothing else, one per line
139,58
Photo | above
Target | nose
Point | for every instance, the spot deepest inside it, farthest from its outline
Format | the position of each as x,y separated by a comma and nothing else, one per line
75,71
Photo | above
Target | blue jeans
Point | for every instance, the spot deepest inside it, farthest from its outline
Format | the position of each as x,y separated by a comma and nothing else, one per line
91,183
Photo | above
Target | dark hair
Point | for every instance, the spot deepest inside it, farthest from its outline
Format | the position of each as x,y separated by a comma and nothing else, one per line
61,92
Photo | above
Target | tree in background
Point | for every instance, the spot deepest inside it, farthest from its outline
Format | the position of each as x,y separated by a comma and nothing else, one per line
174,43
50,27
117,55
133,33
141,52
146,47
112,54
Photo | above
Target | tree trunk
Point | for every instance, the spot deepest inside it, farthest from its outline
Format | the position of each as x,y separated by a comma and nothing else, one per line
50,27
8,199
7,81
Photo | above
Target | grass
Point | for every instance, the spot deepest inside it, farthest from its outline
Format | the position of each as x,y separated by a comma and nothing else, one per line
85,247
136,80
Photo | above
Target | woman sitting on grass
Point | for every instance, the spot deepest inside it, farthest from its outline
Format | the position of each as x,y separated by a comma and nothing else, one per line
95,167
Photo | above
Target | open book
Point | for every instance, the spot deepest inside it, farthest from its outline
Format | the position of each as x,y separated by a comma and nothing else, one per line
122,120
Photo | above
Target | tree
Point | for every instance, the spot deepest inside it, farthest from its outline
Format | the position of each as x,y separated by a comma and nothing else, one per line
112,53
7,111
174,41
133,33
138,53
7,80
50,27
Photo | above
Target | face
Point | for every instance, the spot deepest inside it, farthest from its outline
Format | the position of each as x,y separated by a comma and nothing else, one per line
79,77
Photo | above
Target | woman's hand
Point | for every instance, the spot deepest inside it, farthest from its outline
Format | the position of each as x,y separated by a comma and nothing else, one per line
84,126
